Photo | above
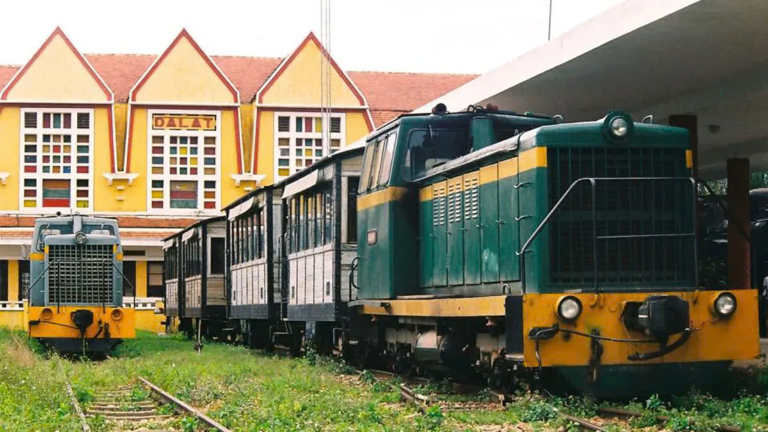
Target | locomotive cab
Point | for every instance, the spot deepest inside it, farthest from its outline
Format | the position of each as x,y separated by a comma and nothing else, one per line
76,298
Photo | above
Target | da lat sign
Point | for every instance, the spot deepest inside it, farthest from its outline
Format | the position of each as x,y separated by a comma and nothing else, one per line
184,122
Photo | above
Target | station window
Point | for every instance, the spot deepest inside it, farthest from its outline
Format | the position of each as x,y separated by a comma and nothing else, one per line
155,279
183,161
57,151
299,140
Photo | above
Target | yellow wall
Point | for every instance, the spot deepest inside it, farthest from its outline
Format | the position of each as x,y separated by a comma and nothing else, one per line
121,116
15,319
141,278
299,83
246,129
266,150
229,155
104,196
9,162
184,77
356,126
57,75
13,280
136,195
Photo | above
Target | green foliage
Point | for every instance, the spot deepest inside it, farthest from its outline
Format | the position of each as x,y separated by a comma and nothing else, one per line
367,377
83,395
189,424
432,419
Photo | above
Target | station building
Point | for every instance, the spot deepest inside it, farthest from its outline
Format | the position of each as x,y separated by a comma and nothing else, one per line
159,141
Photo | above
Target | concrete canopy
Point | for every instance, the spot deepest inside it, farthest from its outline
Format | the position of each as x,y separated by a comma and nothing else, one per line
708,58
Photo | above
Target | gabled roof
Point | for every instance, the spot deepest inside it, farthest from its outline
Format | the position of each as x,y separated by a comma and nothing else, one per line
389,94
63,62
285,64
159,63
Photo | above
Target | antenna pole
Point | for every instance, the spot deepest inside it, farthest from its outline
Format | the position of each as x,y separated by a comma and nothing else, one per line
549,27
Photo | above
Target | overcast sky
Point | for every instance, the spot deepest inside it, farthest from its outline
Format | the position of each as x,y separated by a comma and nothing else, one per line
456,36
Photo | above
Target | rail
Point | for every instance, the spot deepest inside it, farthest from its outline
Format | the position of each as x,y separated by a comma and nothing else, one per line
595,238
182,405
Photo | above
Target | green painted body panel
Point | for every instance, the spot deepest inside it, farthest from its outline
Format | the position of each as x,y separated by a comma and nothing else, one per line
444,245
426,244
509,233
455,239
389,267
482,132
472,245
439,243
489,215
533,209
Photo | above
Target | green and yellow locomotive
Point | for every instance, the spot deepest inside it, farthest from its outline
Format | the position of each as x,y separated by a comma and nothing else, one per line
518,245
76,293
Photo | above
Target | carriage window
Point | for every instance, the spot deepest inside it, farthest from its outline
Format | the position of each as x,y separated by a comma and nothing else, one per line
217,255
386,162
369,150
428,149
376,164
352,209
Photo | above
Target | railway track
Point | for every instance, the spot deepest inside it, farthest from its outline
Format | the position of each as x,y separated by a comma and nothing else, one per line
605,414
129,409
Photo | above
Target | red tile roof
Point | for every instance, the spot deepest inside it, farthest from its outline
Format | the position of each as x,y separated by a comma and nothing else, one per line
388,94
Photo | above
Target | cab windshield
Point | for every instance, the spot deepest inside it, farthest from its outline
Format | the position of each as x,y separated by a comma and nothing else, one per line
430,148
48,230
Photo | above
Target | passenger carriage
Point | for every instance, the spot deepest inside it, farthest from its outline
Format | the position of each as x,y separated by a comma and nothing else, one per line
254,273
198,279
320,245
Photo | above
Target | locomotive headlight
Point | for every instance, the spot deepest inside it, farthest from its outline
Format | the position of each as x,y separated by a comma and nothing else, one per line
117,314
568,308
725,305
80,238
46,314
619,127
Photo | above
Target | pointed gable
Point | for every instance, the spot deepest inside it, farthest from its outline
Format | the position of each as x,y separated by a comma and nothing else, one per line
184,74
57,73
297,80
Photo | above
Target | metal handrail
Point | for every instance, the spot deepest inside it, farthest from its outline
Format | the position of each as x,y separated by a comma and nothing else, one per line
593,182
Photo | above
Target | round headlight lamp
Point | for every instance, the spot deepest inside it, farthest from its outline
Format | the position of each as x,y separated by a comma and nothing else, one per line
46,314
80,238
568,308
117,314
724,305
619,127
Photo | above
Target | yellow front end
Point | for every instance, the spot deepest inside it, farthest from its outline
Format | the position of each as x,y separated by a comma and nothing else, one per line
56,322
712,338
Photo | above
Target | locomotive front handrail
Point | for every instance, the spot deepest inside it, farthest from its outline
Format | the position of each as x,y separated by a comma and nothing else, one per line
593,182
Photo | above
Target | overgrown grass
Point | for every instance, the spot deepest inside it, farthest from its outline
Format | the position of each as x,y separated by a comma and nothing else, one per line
33,395
252,391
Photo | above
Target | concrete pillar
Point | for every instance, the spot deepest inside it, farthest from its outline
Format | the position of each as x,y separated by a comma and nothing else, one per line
141,278
690,122
13,280
739,262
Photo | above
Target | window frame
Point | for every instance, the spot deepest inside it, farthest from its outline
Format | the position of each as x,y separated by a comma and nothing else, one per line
292,135
39,176
167,178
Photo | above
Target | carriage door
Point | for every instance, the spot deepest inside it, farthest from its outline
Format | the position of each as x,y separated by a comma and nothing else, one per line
509,223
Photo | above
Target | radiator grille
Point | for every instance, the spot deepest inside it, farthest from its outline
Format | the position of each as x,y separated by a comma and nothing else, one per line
80,274
622,209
